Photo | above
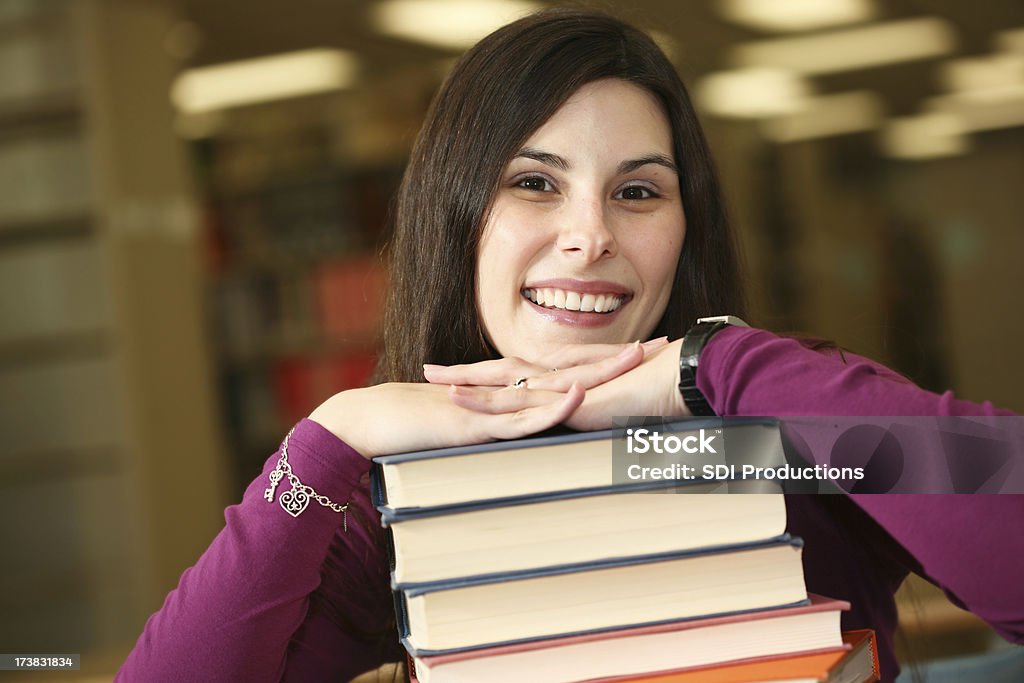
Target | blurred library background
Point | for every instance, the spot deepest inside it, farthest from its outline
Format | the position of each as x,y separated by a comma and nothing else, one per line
194,197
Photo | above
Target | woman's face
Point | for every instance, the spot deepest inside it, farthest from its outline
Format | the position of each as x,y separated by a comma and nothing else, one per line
583,237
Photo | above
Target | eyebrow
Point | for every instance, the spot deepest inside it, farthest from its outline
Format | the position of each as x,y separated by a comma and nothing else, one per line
628,166
659,159
546,158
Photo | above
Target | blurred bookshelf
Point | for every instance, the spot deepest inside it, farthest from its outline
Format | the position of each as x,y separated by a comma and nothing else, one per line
102,427
294,229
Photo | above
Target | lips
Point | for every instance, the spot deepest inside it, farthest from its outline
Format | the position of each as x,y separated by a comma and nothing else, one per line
577,303
572,300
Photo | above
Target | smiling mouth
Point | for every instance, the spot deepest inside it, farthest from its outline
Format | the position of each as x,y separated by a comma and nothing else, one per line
567,300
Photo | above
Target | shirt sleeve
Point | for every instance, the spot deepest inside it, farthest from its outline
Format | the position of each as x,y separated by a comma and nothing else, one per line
969,545
277,597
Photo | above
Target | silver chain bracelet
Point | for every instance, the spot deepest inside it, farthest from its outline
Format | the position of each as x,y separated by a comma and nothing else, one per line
296,499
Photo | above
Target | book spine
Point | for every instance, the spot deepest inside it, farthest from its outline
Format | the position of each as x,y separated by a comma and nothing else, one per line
389,539
378,492
402,618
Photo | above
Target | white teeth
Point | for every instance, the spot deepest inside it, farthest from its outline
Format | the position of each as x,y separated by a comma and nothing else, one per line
574,301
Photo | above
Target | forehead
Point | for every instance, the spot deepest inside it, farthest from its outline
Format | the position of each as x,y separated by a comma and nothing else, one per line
608,114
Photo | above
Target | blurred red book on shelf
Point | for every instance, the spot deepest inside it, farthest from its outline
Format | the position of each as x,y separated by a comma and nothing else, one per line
350,297
301,384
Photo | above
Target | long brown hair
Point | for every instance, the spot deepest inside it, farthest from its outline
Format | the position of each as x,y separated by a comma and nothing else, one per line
496,96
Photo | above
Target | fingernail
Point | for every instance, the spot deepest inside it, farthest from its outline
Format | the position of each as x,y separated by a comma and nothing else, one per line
656,342
431,366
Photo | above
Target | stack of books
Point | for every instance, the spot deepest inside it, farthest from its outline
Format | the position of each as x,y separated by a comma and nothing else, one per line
527,560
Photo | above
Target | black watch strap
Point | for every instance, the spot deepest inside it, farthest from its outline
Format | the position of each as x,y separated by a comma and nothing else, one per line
689,357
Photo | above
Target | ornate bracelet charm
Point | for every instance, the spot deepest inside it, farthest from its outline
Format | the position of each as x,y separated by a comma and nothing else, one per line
275,477
296,499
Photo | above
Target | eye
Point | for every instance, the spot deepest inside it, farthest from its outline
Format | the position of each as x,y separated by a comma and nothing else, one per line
535,183
635,192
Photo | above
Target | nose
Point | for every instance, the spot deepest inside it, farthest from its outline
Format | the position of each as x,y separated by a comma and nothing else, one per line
585,231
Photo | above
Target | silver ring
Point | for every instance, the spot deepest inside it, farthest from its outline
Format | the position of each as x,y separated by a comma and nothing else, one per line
519,383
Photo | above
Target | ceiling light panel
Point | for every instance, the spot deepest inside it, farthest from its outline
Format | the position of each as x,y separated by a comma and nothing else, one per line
752,93
795,15
235,84
827,116
448,24
851,49
927,136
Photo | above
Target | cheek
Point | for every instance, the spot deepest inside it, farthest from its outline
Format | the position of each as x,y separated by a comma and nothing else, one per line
656,260
495,280
513,238
673,249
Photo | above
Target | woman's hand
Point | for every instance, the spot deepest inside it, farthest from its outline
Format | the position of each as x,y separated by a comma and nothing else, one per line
586,365
397,417
639,380
651,388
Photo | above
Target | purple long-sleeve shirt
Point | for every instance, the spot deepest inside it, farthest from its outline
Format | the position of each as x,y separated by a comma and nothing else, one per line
298,599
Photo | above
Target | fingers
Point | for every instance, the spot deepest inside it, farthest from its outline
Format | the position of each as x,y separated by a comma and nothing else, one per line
511,413
498,401
581,354
488,373
537,418
588,364
591,374
503,371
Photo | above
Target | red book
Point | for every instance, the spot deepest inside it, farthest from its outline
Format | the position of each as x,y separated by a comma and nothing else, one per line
856,662
303,383
350,298
625,653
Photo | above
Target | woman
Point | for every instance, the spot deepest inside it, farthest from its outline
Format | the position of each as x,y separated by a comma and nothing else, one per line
559,204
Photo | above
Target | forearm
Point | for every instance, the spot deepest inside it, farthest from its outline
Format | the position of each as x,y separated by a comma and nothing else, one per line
969,545
752,372
235,611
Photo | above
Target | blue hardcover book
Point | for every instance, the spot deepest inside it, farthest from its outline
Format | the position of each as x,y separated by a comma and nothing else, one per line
500,609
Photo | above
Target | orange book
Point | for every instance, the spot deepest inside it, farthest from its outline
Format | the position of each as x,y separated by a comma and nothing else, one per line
858,662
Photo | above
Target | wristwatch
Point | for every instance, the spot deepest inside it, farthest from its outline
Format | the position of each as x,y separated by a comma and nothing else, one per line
689,356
